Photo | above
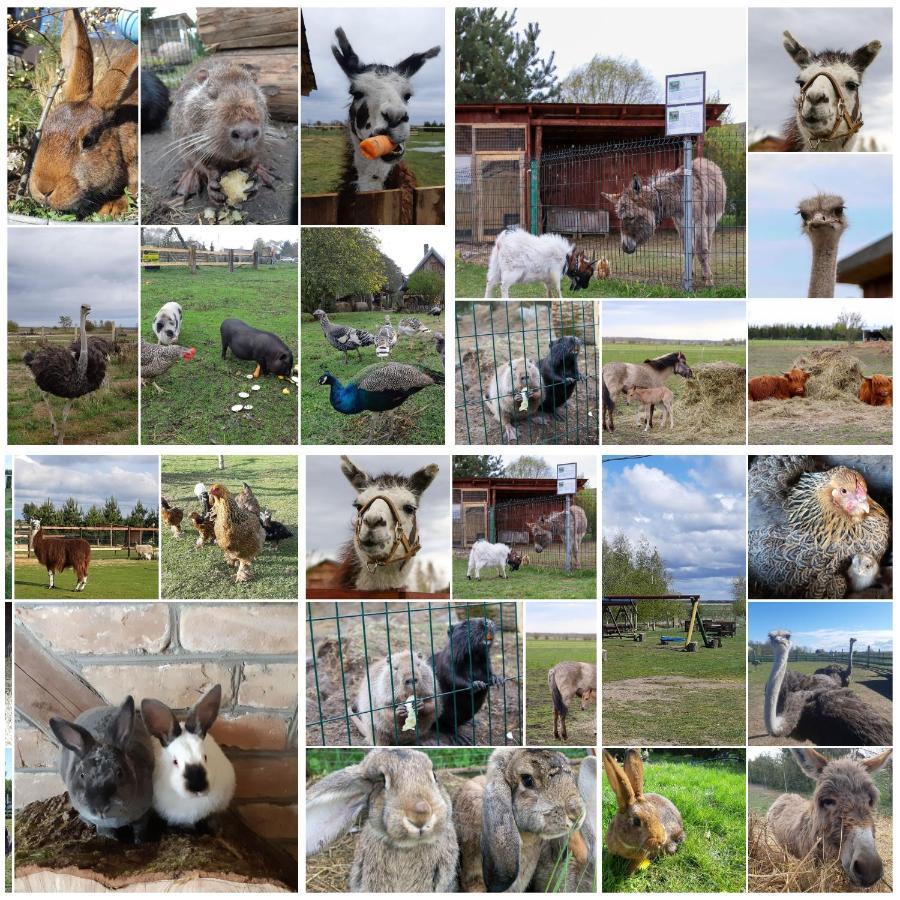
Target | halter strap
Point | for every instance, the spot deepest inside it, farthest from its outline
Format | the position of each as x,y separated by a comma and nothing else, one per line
410,545
853,122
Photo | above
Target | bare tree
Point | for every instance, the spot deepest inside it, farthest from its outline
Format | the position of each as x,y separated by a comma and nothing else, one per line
610,79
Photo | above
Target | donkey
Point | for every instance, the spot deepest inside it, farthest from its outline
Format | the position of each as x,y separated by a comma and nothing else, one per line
567,680
548,528
828,112
385,533
642,208
839,815
620,377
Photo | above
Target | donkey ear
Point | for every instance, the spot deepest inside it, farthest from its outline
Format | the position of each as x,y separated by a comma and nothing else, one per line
635,185
77,58
862,57
359,479
797,52
344,54
877,763
409,66
420,480
810,761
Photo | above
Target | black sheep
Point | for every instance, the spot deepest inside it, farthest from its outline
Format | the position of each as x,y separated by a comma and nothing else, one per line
559,372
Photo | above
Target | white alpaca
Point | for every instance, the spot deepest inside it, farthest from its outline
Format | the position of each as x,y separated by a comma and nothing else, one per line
485,555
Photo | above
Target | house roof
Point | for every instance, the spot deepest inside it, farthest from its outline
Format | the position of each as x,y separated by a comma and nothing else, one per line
431,254
871,262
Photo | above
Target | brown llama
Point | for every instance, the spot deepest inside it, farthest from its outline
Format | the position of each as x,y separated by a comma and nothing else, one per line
567,680
57,554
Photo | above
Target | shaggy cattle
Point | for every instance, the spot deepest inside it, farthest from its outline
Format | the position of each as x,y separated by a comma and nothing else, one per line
486,555
778,387
877,390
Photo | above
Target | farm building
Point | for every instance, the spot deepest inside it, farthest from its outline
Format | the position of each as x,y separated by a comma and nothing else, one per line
178,31
872,268
307,75
431,261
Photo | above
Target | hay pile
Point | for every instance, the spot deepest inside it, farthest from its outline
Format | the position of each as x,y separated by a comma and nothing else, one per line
834,374
713,398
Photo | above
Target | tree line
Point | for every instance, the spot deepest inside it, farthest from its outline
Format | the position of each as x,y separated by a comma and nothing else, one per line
847,327
71,513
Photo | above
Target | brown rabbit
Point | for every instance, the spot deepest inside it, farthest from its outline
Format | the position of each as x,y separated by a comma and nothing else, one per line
87,155
645,825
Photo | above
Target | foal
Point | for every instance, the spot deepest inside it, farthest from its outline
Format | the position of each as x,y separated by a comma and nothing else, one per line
650,397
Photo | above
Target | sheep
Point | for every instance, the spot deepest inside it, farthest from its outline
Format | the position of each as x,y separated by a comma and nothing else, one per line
145,550
484,555
56,554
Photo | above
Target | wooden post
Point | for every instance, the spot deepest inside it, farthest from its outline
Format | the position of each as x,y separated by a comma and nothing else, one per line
256,259
192,259
231,261
114,333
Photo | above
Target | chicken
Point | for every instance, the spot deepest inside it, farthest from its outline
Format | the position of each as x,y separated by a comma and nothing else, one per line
275,531
806,526
238,531
172,516
247,500
205,527
157,359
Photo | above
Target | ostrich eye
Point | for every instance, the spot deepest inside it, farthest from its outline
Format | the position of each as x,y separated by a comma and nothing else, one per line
804,216
838,210
527,781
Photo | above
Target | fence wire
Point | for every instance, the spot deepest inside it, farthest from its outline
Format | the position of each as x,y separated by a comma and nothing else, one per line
347,639
170,45
495,342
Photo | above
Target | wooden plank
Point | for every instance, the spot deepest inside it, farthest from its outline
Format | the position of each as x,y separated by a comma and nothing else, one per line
277,69
348,594
236,27
318,209
429,206
378,207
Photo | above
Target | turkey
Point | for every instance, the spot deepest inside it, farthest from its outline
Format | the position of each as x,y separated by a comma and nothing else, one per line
343,337
410,326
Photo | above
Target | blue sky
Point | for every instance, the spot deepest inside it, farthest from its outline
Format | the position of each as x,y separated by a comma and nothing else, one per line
7,761
711,320
555,616
826,626
779,255
692,508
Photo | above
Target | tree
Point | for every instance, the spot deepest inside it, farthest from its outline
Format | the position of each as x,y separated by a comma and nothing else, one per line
260,246
477,466
739,597
70,514
94,516
497,63
428,284
849,325
610,79
325,253
528,467
112,515
137,515
65,321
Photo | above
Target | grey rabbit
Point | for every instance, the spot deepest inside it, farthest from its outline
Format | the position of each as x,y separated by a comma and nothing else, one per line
107,766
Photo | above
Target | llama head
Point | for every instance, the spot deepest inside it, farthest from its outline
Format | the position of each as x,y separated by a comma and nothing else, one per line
35,526
829,83
385,508
380,95
635,209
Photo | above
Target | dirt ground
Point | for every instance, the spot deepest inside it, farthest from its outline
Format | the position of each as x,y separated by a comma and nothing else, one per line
340,667
270,206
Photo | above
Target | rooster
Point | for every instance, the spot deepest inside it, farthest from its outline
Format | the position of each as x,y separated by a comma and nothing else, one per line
172,516
238,531
806,526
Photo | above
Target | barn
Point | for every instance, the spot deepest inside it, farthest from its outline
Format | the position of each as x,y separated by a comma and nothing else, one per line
872,268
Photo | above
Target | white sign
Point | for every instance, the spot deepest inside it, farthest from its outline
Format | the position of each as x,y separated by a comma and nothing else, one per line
566,470
569,486
688,119
567,478
689,87
685,104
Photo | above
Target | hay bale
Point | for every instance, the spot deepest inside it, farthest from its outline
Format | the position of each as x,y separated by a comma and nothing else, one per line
715,385
834,374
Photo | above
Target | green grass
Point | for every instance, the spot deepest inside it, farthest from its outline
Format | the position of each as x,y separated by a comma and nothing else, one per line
711,799
9,542
196,405
323,157
761,798
9,825
540,657
420,420
695,354
655,695
108,579
191,573
531,582
774,357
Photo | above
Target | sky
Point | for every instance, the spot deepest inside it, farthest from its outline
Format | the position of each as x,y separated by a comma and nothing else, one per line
576,36
329,510
89,479
712,320
378,35
586,462
405,244
822,312
773,72
691,508
238,238
565,618
52,271
825,626
779,254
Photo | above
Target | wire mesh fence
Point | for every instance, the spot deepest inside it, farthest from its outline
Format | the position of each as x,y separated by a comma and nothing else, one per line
437,676
527,373
170,45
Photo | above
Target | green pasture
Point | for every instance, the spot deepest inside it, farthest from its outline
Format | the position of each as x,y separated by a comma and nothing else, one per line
108,579
530,582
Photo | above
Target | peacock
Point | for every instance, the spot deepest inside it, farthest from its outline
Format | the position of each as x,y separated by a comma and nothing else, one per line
379,388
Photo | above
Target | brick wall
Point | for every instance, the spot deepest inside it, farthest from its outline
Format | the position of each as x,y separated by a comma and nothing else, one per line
175,652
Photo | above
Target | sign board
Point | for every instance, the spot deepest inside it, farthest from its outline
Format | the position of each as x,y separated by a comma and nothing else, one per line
685,103
566,478
150,256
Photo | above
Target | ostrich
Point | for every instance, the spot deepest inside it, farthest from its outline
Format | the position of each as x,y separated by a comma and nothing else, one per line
823,223
815,708
64,373
838,674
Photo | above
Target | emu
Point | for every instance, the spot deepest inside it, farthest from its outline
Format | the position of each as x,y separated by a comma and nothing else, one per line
57,554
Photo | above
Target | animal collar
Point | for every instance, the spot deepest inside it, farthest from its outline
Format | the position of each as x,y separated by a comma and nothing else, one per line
853,122
410,545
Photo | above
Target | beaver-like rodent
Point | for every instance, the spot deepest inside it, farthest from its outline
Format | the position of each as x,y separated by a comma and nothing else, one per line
219,119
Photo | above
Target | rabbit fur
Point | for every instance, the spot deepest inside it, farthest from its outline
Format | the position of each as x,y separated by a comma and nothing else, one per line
107,763
407,843
645,825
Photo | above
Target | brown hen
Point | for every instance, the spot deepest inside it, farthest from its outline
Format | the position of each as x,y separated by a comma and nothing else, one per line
238,532
172,516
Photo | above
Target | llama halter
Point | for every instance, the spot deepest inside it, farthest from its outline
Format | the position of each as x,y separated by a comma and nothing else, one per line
853,122
410,545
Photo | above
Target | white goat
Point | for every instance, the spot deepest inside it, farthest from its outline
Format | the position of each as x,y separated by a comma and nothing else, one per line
484,555
522,258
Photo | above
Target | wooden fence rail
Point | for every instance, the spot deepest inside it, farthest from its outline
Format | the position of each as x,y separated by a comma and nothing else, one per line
347,594
376,207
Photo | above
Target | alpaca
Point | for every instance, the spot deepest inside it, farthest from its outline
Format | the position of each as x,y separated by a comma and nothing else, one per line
823,223
57,554
837,822
827,113
837,673
380,106
386,535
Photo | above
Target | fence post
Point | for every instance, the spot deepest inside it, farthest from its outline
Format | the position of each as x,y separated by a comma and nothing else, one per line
534,196
231,261
568,532
687,279
192,260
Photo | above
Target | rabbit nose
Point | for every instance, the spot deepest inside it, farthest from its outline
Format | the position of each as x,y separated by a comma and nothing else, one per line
419,814
245,133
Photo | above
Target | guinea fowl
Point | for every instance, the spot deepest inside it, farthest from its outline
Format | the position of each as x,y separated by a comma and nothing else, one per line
385,339
806,526
837,673
379,388
157,359
64,373
343,337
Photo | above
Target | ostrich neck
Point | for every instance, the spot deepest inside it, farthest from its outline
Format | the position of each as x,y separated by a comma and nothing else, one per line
850,661
83,357
774,722
824,267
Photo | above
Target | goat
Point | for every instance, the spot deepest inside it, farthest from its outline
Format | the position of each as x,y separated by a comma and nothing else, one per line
650,397
57,554
570,679
486,555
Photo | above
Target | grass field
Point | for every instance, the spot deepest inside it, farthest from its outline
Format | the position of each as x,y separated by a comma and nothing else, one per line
9,536
196,405
323,157
661,696
711,799
726,426
420,420
803,420
191,573
108,579
9,825
109,415
531,583
540,657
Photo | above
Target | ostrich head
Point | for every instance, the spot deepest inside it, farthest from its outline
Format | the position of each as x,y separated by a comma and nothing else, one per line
823,218
380,93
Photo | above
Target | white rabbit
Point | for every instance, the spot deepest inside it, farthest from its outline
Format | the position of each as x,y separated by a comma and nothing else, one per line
193,780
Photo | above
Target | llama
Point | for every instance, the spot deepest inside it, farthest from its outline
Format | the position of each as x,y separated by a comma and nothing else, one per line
380,107
549,528
522,258
823,222
385,532
828,112
567,680
650,397
485,555
57,554
642,208
837,823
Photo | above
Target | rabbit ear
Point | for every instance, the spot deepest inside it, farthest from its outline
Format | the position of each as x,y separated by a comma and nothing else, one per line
77,58
122,724
618,782
332,806
118,82
200,719
501,842
73,737
634,769
160,721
